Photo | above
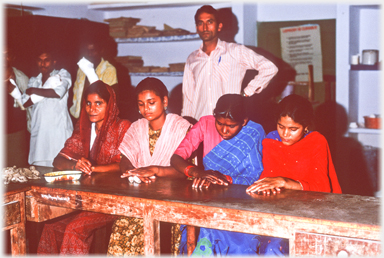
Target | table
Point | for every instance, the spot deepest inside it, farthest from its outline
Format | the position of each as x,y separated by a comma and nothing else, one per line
14,216
315,223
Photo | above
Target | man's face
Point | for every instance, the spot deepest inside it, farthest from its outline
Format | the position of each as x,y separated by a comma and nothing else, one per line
92,53
207,27
45,63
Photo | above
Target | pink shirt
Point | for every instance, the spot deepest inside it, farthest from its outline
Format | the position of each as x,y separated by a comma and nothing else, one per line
203,131
208,77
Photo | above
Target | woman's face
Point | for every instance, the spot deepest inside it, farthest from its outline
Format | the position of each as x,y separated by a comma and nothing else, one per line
95,108
290,132
151,106
228,128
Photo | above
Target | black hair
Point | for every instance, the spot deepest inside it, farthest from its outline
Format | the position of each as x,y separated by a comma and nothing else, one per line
296,107
100,88
207,9
46,49
152,84
231,106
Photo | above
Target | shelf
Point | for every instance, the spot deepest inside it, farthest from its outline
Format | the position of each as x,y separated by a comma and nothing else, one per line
175,74
364,130
158,39
137,5
362,67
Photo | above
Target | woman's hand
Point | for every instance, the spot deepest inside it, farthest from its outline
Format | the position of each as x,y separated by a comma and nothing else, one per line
208,177
267,186
200,183
84,165
215,177
273,185
145,174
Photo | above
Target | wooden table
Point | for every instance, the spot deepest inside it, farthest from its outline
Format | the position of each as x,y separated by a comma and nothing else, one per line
14,216
320,224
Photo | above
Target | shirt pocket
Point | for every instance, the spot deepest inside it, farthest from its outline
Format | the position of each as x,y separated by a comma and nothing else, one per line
222,72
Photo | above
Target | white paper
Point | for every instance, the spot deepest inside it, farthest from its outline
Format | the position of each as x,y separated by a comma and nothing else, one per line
300,47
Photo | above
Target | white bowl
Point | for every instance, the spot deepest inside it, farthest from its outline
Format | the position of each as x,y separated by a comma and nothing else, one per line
72,175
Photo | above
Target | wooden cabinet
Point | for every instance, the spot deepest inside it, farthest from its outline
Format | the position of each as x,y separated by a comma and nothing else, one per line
310,244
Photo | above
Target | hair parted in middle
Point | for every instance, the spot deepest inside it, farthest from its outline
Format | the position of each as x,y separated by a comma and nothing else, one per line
231,106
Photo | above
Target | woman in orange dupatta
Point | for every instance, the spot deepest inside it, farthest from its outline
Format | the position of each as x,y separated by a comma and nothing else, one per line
293,157
93,147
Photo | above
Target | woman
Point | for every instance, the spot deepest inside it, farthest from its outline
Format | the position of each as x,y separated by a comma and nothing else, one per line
293,157
147,148
232,154
92,148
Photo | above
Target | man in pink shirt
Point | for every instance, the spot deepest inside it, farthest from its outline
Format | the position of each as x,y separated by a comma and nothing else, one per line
218,68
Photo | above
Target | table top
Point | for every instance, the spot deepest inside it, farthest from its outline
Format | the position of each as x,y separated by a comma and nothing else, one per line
315,205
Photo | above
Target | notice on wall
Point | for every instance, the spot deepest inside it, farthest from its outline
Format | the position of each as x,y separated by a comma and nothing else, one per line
301,46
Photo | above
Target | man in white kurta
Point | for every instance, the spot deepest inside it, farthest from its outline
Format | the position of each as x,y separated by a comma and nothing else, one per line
51,124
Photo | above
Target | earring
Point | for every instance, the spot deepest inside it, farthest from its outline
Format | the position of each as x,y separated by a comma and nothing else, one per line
165,107
139,112
306,131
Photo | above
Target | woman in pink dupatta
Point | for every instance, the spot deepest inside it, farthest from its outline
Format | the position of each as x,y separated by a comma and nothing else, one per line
92,148
147,148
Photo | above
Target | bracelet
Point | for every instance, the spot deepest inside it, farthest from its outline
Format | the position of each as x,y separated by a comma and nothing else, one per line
229,179
186,170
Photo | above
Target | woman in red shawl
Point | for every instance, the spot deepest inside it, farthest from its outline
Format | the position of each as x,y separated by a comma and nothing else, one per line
293,157
93,147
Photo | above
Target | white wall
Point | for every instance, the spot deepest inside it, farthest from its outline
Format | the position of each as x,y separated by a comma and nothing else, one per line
295,12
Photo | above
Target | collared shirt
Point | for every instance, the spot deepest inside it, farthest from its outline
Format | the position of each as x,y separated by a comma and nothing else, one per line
208,77
105,71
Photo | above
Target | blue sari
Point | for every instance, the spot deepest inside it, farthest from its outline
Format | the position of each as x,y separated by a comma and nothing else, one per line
240,158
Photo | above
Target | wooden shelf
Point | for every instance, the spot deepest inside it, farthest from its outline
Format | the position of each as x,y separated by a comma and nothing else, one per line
158,39
136,5
173,74
362,67
364,130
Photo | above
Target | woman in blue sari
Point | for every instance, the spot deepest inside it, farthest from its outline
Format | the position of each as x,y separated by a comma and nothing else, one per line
232,154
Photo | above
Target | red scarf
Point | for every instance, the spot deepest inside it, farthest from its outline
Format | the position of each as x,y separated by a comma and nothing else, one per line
307,161
105,149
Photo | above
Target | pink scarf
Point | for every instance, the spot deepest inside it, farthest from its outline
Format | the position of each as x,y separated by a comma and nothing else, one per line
135,145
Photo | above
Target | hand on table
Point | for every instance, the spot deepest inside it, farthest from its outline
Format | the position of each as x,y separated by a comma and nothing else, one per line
267,186
210,177
143,174
84,165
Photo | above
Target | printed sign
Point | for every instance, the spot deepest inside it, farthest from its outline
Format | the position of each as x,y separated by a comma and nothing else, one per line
300,47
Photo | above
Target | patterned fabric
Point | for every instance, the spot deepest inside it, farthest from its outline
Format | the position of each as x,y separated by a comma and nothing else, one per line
72,235
239,157
105,148
213,242
106,73
127,237
153,137
307,161
175,239
208,77
136,141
